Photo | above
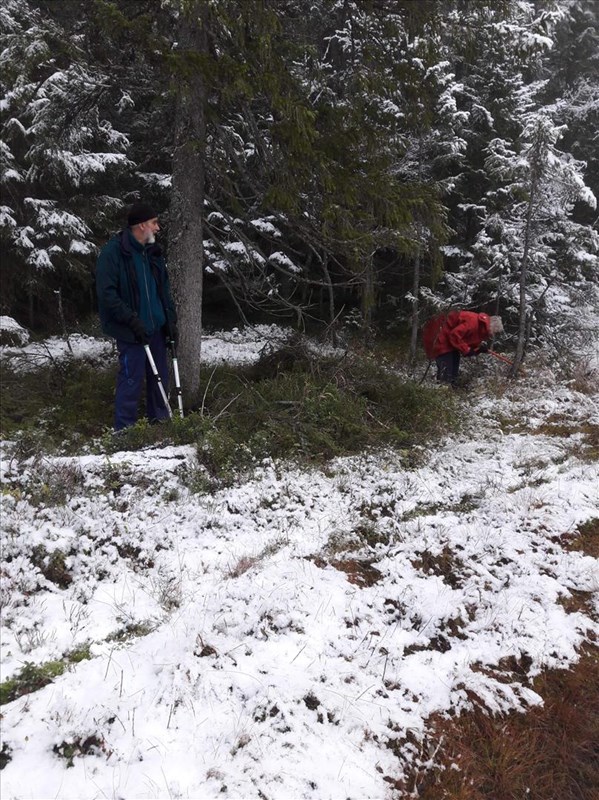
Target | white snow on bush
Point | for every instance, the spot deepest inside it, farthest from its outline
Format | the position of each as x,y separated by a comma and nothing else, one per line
241,346
15,332
244,346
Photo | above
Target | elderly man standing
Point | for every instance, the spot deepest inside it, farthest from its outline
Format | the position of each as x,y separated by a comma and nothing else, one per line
136,308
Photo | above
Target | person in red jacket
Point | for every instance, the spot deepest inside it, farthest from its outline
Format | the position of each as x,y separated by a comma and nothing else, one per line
450,336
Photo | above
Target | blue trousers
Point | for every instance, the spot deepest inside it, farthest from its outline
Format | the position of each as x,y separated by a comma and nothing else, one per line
133,368
448,366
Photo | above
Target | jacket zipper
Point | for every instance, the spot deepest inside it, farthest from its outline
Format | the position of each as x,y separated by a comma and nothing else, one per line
146,268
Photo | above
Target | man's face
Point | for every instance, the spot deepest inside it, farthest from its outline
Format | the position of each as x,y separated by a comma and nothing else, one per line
148,231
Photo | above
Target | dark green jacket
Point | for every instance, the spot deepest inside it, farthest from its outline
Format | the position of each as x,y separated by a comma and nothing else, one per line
119,295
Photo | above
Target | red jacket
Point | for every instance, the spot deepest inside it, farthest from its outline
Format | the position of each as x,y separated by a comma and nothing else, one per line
460,330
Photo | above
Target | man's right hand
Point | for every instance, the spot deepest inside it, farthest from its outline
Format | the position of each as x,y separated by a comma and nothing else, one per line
172,334
138,329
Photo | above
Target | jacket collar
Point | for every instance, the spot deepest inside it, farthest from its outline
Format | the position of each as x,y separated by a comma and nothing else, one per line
129,244
125,243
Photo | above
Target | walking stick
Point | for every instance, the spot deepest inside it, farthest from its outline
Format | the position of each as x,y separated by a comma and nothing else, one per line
177,379
500,357
158,378
505,361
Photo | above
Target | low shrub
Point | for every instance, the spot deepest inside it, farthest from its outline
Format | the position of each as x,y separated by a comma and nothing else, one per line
52,565
56,407
315,411
53,484
291,404
80,746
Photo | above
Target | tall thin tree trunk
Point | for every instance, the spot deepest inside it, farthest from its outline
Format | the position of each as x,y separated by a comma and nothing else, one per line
416,276
63,322
522,317
331,298
368,298
187,199
31,298
415,308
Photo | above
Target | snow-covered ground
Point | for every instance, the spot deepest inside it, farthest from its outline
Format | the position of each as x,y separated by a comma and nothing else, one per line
231,347
280,638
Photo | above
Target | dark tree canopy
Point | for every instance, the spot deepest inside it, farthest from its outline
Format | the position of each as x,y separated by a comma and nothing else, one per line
385,158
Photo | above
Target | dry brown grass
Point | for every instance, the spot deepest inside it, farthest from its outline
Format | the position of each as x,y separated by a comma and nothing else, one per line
549,753
586,538
585,377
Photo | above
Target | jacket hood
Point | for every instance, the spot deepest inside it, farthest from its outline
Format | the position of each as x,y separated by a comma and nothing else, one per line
485,321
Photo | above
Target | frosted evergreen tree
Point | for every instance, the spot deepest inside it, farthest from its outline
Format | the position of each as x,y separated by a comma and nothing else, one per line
338,144
571,92
433,152
305,177
538,255
519,247
60,153
497,51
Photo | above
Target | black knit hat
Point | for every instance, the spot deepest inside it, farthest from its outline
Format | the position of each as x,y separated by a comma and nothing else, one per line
140,212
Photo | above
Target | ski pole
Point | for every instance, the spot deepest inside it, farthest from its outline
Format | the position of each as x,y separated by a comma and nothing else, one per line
158,378
177,379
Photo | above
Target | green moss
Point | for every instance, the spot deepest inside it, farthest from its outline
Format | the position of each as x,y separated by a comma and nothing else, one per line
132,630
81,653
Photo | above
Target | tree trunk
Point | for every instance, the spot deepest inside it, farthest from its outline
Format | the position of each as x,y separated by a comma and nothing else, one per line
187,198
368,299
415,308
416,277
331,297
522,318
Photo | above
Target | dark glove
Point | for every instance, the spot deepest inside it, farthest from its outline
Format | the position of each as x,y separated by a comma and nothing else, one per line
138,329
484,348
172,334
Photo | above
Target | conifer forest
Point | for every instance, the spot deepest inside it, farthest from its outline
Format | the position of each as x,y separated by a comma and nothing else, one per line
315,160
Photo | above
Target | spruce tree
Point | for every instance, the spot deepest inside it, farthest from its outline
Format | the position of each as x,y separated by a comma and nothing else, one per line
61,154
531,223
